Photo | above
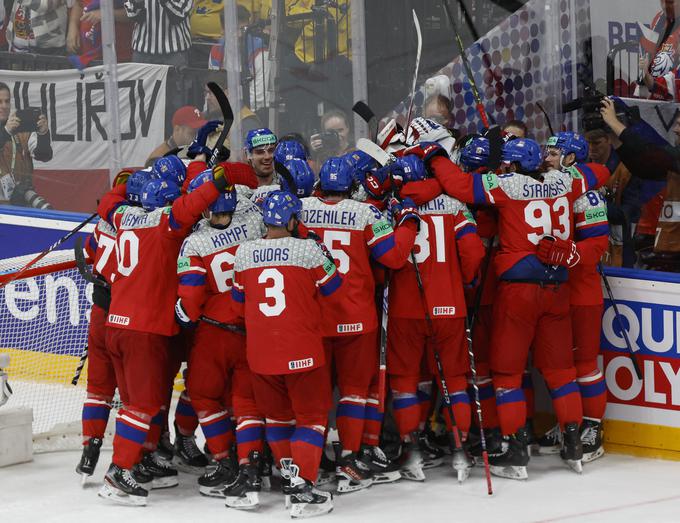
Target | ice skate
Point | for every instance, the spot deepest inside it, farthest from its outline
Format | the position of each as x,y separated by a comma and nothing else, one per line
165,449
164,476
188,457
550,443
493,445
462,464
266,464
352,474
213,482
433,456
412,463
572,450
383,469
326,472
243,492
89,458
591,439
305,500
511,462
121,487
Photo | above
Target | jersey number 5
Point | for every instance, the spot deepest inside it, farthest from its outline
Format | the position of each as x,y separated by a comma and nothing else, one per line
274,292
343,238
539,215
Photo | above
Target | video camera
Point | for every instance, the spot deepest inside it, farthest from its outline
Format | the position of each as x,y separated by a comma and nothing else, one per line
591,103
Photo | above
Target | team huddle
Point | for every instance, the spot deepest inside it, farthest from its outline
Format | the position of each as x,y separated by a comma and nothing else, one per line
416,286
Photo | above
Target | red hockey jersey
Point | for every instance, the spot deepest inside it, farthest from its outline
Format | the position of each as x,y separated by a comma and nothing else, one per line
277,281
591,234
448,252
206,267
144,291
528,210
355,232
101,247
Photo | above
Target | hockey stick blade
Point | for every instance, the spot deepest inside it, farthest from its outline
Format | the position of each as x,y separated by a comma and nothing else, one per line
368,116
82,267
374,151
284,173
495,147
227,118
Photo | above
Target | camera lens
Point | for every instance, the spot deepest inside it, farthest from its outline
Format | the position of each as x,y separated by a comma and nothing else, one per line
36,201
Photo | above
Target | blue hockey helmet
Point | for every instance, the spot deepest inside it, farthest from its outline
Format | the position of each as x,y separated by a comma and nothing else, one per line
570,142
523,151
361,163
289,150
226,201
159,193
336,175
135,184
303,176
412,168
475,153
278,208
258,138
171,168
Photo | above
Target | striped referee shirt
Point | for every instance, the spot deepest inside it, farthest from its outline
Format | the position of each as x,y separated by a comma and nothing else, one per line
161,26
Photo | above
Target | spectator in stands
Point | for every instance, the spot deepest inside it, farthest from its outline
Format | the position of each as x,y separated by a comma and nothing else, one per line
185,122
161,32
37,27
207,30
438,108
516,128
21,142
84,38
335,136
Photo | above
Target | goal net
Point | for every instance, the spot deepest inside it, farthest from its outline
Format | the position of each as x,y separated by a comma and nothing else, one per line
44,318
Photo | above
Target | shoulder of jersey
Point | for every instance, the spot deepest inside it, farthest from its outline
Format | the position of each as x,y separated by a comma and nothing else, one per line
589,200
365,212
104,227
293,252
442,204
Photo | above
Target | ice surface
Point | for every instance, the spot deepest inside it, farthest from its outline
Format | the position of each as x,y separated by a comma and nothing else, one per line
615,488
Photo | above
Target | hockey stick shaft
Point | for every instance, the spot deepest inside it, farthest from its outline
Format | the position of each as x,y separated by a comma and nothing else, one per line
622,327
79,368
227,117
466,66
51,248
382,364
419,35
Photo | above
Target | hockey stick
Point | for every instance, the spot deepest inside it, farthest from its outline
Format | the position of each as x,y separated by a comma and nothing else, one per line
51,248
419,35
284,173
495,138
367,115
547,118
79,368
82,267
382,355
466,66
624,331
227,118
237,329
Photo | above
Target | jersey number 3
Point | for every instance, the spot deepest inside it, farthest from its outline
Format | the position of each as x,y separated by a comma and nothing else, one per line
539,215
274,292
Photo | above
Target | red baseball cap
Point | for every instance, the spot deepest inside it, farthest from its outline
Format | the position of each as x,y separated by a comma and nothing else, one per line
188,115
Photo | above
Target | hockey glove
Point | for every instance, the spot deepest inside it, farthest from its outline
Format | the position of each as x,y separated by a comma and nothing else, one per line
404,210
181,317
198,146
384,180
426,151
554,251
122,177
235,173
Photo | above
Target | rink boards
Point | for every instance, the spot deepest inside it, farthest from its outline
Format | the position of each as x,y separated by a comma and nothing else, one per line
43,325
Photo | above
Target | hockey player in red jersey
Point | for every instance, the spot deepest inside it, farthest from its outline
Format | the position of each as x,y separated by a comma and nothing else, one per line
101,379
277,280
448,253
355,233
591,234
531,306
141,319
218,376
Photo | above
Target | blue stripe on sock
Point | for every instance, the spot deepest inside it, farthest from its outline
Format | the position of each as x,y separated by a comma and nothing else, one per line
249,434
157,419
128,432
564,390
404,403
510,396
90,413
423,396
216,428
486,392
590,390
459,397
184,408
279,433
372,414
347,410
308,436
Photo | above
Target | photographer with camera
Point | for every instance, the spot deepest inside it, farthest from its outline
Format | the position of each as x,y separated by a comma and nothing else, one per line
335,137
24,137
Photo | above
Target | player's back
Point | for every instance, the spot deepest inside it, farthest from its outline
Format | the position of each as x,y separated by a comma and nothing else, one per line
206,264
342,226
145,288
436,252
276,279
105,262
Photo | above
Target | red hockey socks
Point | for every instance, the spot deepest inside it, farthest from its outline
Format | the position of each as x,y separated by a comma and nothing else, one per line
593,391
487,400
372,420
424,393
565,394
349,419
278,433
218,431
528,388
460,403
249,437
131,433
406,411
510,402
94,418
306,446
155,429
186,420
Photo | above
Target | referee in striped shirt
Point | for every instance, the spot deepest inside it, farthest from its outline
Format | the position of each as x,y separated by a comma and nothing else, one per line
161,34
